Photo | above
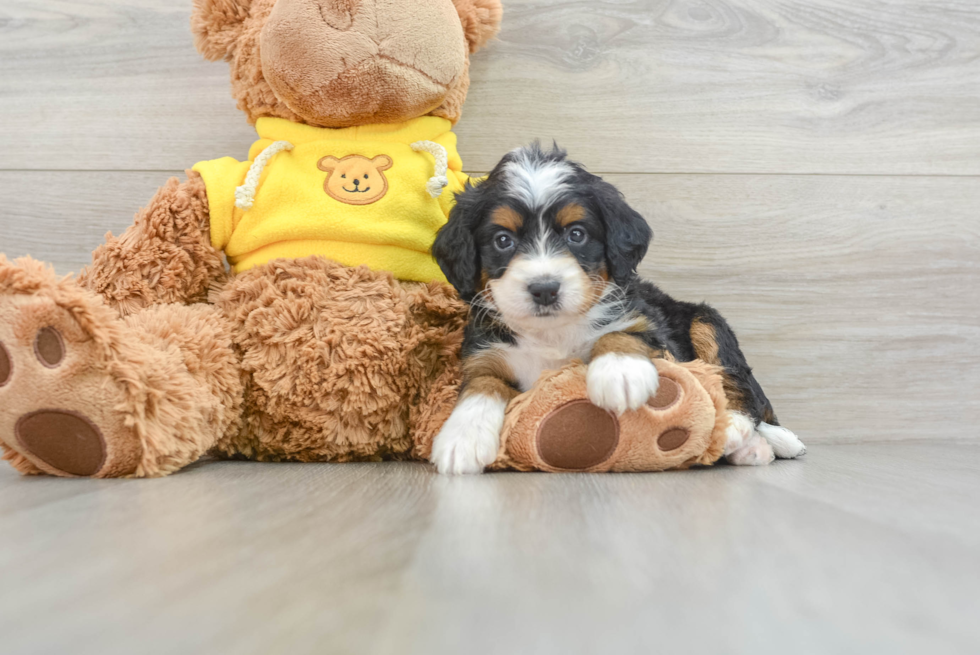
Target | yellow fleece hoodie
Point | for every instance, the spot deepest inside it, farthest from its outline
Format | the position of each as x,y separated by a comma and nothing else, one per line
358,195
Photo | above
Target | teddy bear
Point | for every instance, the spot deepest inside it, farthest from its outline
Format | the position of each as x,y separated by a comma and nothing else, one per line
324,339
333,336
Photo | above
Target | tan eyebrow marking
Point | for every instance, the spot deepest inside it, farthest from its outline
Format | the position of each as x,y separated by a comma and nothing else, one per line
570,213
507,218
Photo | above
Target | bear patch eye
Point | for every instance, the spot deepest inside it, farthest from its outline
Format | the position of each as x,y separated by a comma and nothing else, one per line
576,236
343,176
365,176
503,242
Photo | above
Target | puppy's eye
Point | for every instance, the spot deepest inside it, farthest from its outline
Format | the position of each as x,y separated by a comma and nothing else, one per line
503,241
365,176
577,236
344,176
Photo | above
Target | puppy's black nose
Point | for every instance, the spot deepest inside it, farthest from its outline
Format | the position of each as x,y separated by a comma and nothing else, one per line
544,293
357,182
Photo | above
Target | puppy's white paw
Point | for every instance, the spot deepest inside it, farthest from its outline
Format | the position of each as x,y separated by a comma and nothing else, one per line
621,382
469,439
784,443
744,447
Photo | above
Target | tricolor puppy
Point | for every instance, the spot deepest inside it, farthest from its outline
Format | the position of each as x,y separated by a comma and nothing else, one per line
546,255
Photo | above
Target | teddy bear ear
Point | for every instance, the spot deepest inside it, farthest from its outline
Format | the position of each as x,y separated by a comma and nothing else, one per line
327,164
217,24
481,20
382,162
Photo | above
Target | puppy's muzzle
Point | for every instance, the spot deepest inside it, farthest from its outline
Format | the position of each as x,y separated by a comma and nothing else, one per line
544,292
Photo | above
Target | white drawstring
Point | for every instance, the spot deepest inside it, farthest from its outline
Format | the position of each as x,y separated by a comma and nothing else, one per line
245,194
439,181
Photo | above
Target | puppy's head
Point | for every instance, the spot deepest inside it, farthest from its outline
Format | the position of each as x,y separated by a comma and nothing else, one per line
540,239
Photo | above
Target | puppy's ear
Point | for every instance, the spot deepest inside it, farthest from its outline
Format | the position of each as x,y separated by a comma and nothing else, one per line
455,247
627,233
217,24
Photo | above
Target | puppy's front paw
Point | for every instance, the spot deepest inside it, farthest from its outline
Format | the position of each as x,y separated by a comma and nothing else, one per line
621,382
469,440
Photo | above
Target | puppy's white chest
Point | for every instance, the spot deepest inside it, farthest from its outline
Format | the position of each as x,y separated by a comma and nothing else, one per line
529,361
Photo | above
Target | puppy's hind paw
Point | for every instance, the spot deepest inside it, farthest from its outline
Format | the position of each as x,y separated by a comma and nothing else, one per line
785,444
755,452
744,446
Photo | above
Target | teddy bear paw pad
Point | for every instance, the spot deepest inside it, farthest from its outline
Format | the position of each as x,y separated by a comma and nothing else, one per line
65,440
668,393
673,439
577,436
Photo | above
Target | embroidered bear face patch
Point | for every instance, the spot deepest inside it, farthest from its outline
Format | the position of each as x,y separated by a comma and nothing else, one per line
356,180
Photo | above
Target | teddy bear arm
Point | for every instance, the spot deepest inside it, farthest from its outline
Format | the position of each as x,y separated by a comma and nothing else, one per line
165,256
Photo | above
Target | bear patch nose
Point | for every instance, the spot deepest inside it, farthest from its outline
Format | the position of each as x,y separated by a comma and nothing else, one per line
357,183
544,293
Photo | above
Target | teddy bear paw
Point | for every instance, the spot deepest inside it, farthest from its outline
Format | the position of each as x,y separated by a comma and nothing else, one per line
55,406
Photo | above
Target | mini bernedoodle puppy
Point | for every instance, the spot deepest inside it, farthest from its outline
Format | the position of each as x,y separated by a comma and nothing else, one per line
546,253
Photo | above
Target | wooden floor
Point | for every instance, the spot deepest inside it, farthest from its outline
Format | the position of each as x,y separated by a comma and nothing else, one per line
853,549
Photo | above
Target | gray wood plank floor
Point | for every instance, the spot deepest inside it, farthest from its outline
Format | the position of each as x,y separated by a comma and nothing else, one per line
861,548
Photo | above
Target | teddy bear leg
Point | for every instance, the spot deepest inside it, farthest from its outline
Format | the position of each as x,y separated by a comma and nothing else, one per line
554,426
84,393
165,256
336,357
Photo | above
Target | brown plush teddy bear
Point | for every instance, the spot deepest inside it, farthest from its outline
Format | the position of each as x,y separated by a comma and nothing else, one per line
326,340
335,337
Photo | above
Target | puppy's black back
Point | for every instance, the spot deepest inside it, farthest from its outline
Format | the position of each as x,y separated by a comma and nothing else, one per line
699,331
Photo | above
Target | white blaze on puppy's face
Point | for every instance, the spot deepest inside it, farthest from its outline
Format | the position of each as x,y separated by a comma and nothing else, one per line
515,302
536,182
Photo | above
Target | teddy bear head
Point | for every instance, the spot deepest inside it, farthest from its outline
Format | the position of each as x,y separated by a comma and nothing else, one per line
341,63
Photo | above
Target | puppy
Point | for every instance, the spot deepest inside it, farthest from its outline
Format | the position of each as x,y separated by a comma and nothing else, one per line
546,254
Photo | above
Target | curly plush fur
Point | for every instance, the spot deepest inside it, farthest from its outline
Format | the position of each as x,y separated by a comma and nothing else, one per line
299,360
162,356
